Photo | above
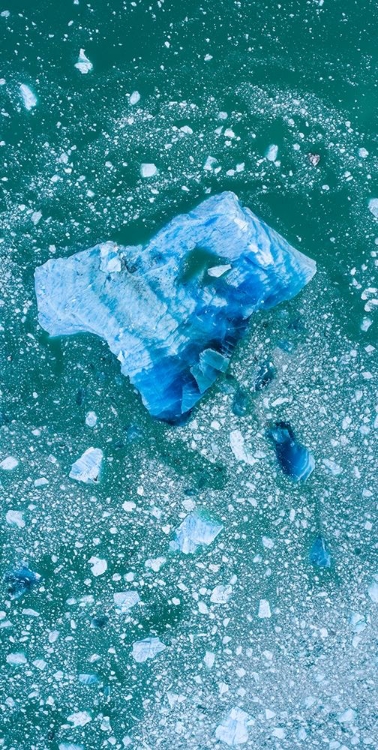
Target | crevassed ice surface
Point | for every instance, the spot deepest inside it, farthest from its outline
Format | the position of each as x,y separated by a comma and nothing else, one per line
172,311
261,639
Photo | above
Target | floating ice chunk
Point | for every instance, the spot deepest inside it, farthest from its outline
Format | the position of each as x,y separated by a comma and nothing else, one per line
332,466
373,207
70,746
88,679
240,409
21,581
171,325
125,600
209,659
239,448
155,563
36,217
264,609
9,463
83,64
40,664
357,622
264,375
196,530
218,271
91,419
134,97
319,554
148,170
373,590
233,729
99,566
17,658
221,594
87,468
294,458
363,153
79,718
272,152
28,97
147,649
346,717
15,518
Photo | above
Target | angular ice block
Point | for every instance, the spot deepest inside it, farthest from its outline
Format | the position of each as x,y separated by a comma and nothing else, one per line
173,310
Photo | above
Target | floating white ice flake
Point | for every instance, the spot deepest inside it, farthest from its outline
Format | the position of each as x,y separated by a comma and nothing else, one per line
357,621
17,658
196,530
363,153
333,467
148,170
87,468
125,600
147,649
272,152
79,718
40,664
267,542
264,609
28,97
210,163
98,566
373,207
9,463
239,448
221,594
155,563
218,271
128,506
233,729
373,590
83,64
70,746
346,717
15,518
41,482
134,97
209,659
36,217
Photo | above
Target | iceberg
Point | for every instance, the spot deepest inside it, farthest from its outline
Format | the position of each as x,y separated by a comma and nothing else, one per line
21,581
87,468
319,554
294,458
172,311
147,649
196,530
233,730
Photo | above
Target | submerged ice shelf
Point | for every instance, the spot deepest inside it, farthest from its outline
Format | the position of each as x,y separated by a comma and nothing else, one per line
173,310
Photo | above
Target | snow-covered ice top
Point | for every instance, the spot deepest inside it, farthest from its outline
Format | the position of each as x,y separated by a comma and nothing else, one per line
171,321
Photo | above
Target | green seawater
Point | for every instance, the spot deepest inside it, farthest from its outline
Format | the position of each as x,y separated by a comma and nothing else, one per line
225,80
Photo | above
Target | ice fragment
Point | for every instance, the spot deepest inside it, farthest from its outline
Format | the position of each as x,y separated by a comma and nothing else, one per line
15,518
125,600
319,554
8,463
28,97
87,468
196,530
83,64
233,729
294,458
147,649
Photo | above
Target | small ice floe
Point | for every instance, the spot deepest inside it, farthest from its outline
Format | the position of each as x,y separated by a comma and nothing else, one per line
357,622
294,458
314,159
373,590
147,649
28,97
83,64
79,718
209,659
87,468
88,679
319,554
272,152
196,530
239,448
264,609
17,658
233,730
91,419
99,566
36,217
218,271
125,600
155,563
148,170
373,206
70,745
134,98
221,594
15,518
9,463
347,717
240,403
21,581
332,466
264,375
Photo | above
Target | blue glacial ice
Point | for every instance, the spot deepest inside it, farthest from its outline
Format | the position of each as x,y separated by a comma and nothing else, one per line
21,581
173,310
319,555
294,458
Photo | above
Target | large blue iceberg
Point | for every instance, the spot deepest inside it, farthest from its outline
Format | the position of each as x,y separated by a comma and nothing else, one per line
173,310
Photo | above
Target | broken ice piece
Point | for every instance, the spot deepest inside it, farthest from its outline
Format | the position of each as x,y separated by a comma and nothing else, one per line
240,403
87,468
83,64
319,554
171,325
272,152
125,600
373,590
264,375
373,206
233,729
21,581
28,97
221,594
15,518
9,463
99,566
196,530
294,458
147,649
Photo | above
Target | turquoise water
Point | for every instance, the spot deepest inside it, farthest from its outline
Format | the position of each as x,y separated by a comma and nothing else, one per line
222,80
